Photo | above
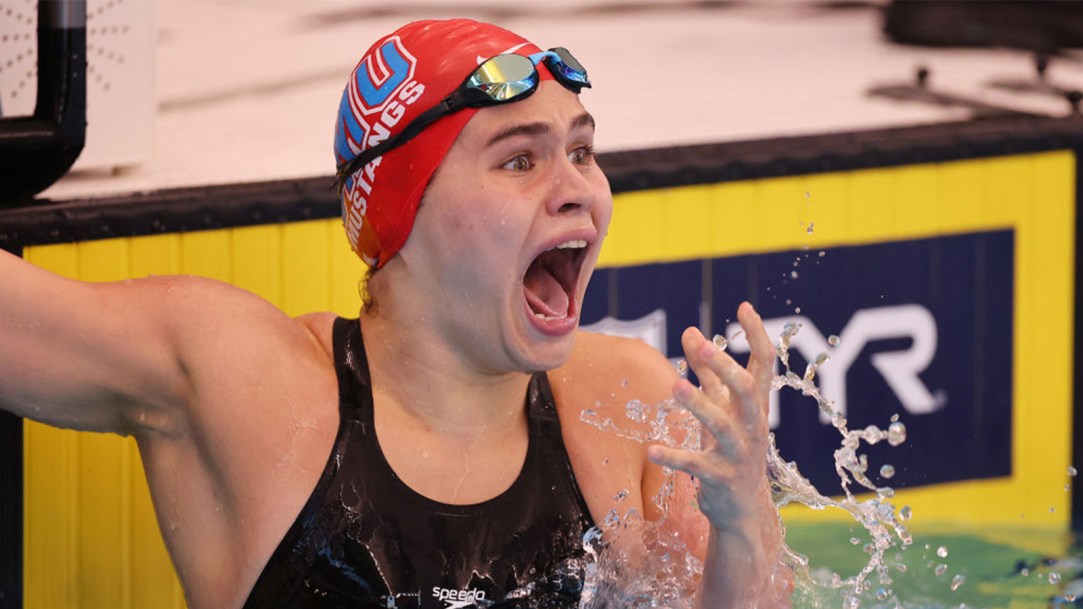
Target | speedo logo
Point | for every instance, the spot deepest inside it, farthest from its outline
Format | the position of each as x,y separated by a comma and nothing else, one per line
457,599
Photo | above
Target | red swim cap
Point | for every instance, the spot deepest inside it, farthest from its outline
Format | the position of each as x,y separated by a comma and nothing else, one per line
402,75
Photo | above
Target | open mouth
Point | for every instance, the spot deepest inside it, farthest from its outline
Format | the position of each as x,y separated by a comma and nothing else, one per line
551,281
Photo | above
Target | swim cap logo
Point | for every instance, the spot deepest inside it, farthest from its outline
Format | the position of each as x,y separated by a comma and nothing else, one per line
377,96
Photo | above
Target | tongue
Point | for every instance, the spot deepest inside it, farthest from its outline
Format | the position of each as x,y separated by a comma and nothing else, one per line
544,294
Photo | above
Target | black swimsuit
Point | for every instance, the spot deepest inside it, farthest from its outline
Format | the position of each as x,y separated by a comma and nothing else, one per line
364,539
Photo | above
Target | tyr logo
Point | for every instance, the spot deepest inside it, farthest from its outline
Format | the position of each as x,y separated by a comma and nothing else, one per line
900,369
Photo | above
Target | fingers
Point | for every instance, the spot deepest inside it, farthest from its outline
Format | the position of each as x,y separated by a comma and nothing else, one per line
698,464
716,420
723,380
699,352
761,363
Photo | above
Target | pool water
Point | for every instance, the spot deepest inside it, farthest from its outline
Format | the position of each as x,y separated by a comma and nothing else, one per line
1020,568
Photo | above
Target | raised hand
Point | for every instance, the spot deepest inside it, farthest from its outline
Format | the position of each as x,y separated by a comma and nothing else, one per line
742,567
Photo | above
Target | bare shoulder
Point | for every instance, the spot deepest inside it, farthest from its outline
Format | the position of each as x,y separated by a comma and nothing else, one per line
209,313
602,375
611,370
226,340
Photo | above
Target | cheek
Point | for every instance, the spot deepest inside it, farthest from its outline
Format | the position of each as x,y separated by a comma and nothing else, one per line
603,213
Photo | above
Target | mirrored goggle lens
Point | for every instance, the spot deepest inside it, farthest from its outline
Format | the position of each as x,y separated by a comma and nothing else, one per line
568,66
504,77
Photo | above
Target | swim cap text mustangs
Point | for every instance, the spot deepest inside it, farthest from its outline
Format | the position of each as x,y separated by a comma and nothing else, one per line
399,78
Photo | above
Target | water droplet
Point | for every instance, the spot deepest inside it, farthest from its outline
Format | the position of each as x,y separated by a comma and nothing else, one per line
809,229
887,471
635,410
1070,597
797,310
904,513
1067,487
1072,471
855,540
882,594
957,581
940,569
788,302
793,274
720,341
942,552
1052,510
1054,577
821,359
896,433
611,519
822,253
1024,571
621,496
833,340
681,367
625,382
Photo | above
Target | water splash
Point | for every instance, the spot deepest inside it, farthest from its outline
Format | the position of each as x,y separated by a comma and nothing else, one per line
662,577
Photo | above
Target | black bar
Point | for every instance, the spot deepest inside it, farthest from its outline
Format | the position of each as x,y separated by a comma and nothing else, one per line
11,509
37,150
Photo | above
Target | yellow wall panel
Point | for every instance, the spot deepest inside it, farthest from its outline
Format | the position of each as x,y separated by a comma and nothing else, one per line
50,550
207,254
736,220
157,255
307,285
255,264
346,273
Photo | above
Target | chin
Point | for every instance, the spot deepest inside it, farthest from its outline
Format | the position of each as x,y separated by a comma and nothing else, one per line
539,353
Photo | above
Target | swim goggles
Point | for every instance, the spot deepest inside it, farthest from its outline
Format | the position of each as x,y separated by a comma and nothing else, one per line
498,80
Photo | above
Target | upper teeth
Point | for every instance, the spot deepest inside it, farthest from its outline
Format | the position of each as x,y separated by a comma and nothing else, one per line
574,243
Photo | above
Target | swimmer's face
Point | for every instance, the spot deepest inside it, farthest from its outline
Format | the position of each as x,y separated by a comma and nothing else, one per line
510,228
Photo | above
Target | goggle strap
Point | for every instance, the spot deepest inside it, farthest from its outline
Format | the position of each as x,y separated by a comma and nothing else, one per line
411,131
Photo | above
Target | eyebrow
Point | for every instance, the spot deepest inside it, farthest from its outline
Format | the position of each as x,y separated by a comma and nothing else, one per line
538,128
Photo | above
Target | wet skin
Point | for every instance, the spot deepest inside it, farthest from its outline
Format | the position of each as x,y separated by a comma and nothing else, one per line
234,404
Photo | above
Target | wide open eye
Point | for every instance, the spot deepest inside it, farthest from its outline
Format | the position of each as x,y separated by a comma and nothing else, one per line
519,163
582,155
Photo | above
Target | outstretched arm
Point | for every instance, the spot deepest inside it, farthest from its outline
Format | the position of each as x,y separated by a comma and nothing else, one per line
85,356
742,566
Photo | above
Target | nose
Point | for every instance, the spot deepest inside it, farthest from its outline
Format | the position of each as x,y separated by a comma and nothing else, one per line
574,187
